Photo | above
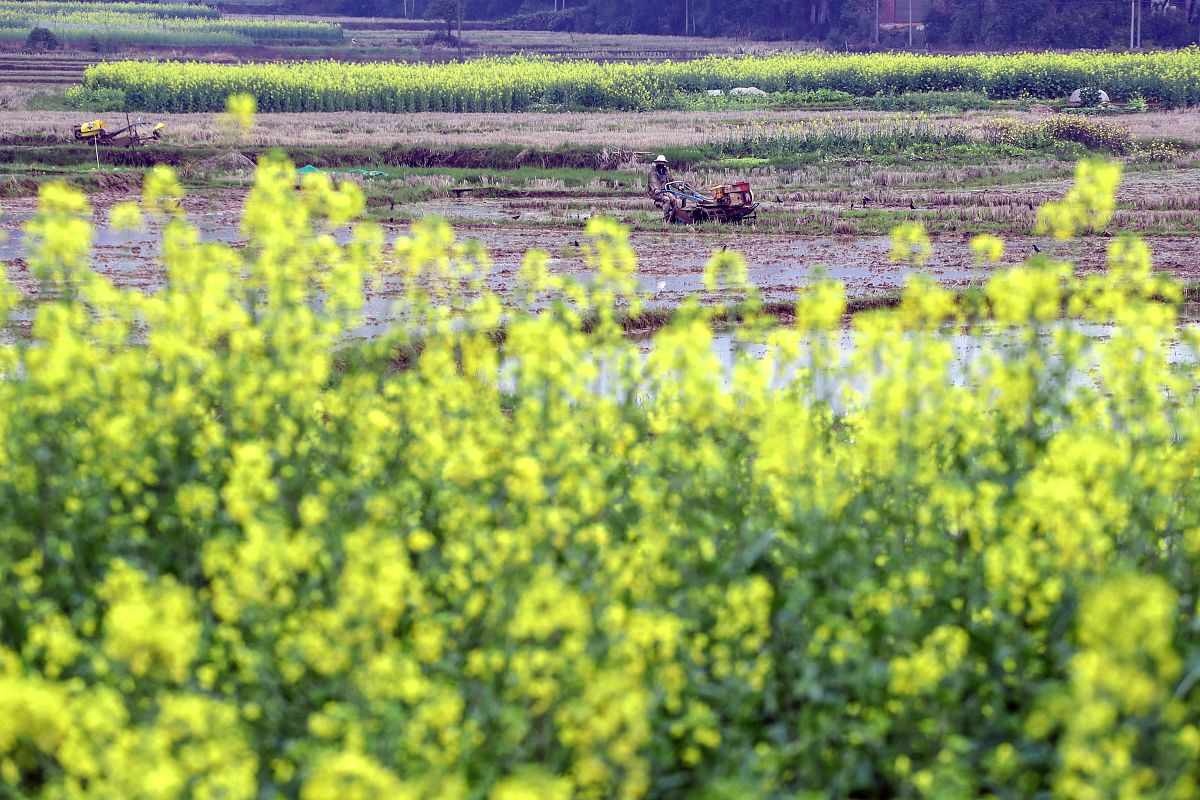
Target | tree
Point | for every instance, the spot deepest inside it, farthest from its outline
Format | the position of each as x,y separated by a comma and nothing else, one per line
41,39
1026,23
991,24
449,11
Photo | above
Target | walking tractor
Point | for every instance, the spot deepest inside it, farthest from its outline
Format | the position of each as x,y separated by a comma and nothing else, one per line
732,203
133,134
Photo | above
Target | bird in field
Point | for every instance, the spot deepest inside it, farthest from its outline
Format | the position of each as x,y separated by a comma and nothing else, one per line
912,205
722,248
575,243
515,216
851,205
778,199
1037,249
866,200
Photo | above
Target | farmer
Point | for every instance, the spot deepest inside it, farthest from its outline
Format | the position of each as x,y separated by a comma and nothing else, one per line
656,187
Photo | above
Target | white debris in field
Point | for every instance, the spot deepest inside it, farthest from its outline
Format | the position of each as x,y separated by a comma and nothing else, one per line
748,90
1077,95
715,93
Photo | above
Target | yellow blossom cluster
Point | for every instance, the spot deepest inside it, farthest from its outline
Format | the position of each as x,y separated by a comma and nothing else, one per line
499,551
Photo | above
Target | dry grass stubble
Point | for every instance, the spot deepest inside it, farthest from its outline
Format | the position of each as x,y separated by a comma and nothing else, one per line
624,130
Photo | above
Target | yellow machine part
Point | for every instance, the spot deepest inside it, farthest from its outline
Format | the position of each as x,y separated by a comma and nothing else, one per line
92,128
718,192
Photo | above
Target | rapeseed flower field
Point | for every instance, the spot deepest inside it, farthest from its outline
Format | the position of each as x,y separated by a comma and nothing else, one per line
499,552
151,23
162,10
515,84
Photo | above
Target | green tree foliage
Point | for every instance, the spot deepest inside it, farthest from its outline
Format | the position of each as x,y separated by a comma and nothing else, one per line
41,39
447,12
838,21
1033,23
843,23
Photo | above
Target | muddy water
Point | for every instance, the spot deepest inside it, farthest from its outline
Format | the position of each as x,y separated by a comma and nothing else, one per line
839,381
671,262
671,265
506,212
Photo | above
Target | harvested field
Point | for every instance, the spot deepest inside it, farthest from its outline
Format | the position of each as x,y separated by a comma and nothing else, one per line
23,69
626,130
613,130
589,46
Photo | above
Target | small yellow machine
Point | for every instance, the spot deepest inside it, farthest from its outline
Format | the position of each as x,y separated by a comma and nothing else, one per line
132,135
89,129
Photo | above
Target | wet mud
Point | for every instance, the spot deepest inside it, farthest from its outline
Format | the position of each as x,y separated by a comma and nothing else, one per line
671,262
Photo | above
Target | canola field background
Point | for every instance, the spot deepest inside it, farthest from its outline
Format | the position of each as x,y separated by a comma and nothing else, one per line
132,24
504,554
1171,78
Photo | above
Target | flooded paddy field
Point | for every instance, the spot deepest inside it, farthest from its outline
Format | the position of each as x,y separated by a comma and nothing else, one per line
824,212
671,260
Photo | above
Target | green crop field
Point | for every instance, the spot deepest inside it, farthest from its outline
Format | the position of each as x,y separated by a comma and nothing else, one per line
87,23
37,8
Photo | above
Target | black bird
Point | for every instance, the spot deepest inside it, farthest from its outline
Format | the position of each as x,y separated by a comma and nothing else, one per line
778,199
722,248
575,244
391,204
866,199
911,205
1037,249
852,205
